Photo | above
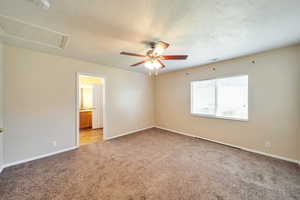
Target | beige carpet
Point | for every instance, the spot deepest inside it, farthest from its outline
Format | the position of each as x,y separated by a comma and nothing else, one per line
156,165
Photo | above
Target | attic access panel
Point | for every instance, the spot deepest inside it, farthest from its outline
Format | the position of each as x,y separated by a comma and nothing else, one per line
15,29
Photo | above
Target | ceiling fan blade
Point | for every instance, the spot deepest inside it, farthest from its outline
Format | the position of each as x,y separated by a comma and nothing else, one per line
131,54
161,63
139,63
174,57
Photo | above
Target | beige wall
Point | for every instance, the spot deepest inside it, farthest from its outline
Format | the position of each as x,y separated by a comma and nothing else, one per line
274,102
1,103
40,102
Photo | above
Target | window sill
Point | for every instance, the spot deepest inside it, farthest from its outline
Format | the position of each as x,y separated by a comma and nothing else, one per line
216,117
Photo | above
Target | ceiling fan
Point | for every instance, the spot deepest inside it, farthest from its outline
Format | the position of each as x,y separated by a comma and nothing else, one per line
153,58
45,4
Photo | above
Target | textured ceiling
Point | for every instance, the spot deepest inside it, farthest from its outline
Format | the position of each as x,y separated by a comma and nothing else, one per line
203,29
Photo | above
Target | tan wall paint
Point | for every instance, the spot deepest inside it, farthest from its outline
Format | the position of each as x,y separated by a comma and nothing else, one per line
1,103
274,102
40,101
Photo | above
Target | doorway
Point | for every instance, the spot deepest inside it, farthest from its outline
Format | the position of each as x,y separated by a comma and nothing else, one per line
90,108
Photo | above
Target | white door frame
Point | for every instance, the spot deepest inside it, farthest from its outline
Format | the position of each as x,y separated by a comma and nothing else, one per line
77,107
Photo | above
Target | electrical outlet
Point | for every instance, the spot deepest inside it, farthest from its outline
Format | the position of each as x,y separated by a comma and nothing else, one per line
268,144
54,143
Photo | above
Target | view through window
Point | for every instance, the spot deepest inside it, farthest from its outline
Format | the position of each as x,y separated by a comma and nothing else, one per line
221,98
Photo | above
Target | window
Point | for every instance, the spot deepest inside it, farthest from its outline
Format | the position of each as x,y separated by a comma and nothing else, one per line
221,98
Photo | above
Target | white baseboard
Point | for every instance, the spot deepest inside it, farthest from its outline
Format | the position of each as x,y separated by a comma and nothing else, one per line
64,150
128,133
134,131
38,157
234,146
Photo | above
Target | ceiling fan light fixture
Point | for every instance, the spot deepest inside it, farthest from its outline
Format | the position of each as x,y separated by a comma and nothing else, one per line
152,64
44,4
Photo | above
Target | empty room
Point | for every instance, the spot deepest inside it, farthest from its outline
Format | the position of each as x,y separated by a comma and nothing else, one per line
149,100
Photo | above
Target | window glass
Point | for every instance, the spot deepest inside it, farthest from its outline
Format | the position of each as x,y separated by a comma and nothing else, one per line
203,97
221,98
232,97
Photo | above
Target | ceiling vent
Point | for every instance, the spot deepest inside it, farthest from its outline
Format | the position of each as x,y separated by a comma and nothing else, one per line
14,29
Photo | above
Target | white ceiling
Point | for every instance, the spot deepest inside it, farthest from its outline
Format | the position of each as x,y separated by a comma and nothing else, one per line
203,29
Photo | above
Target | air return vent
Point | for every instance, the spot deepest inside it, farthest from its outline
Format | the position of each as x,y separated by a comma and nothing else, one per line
18,30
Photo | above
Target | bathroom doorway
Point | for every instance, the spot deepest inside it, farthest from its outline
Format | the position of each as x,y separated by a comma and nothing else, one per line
90,108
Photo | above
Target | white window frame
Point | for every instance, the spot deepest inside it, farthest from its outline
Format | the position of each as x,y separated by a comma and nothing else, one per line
216,97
